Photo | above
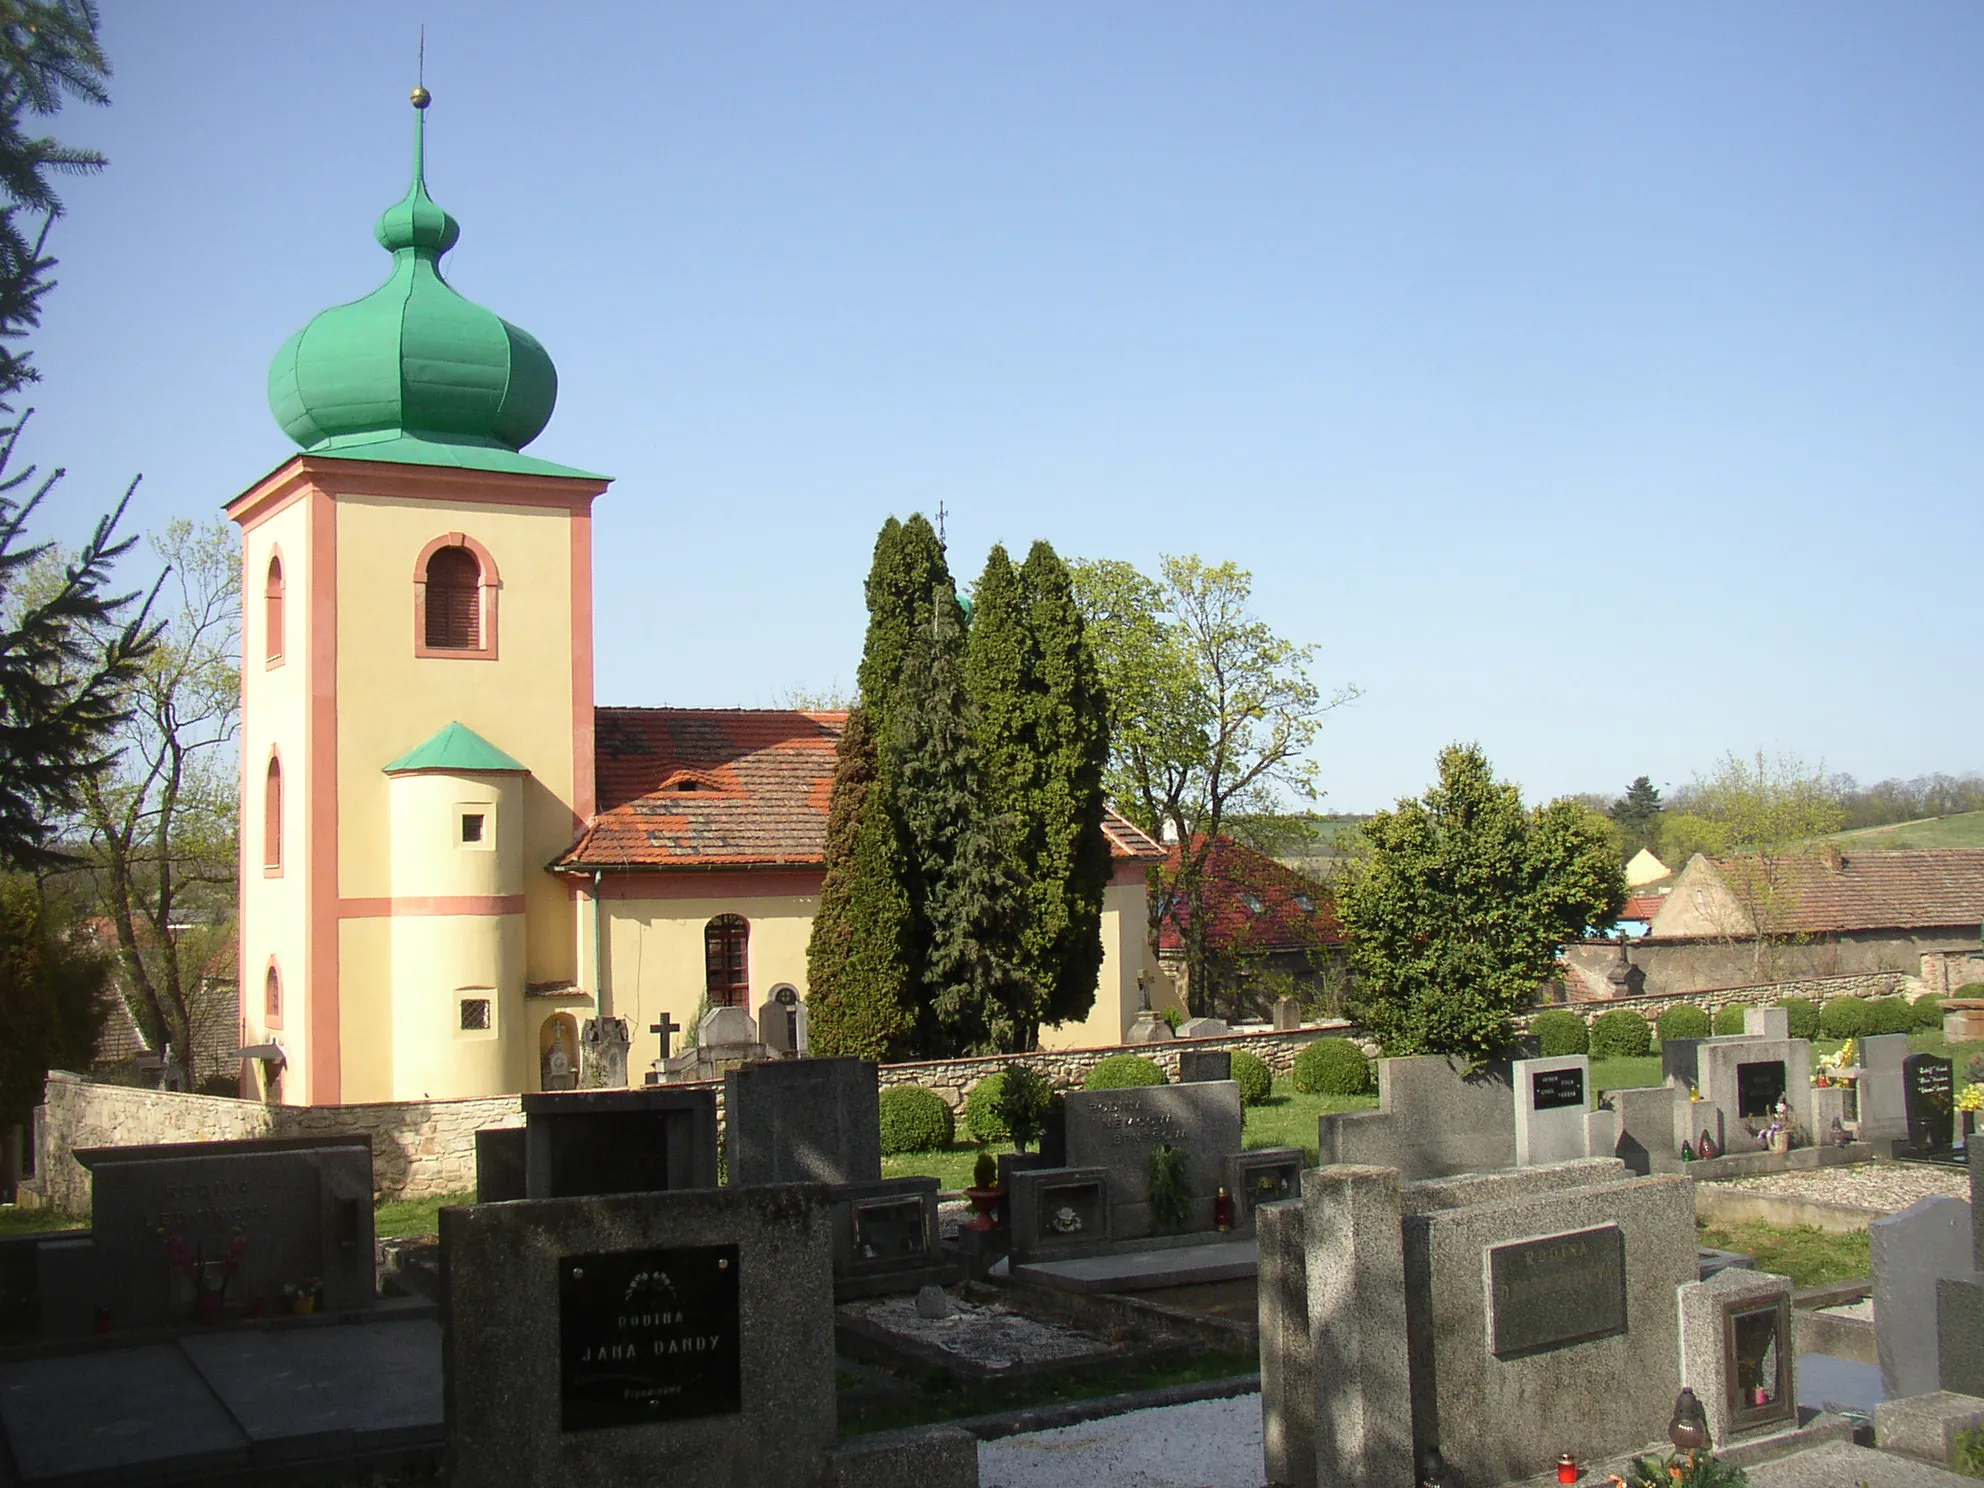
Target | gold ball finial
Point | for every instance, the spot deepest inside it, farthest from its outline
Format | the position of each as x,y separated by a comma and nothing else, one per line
421,98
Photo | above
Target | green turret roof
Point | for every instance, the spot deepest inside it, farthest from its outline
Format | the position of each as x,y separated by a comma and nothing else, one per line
459,749
414,373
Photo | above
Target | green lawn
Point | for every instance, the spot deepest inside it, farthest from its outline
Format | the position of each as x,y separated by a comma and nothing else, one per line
1965,829
32,1221
414,1216
1805,1253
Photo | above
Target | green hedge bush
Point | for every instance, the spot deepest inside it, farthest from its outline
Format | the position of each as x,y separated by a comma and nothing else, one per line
1124,1072
1332,1066
1845,1017
983,1120
1559,1031
1684,1022
1252,1075
1803,1016
1729,1019
1927,1013
915,1120
1890,1015
1620,1034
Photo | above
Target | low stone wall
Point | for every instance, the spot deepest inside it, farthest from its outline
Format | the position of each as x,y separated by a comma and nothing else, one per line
1818,989
1066,1069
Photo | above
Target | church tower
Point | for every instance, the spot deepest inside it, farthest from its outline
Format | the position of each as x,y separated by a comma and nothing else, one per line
417,708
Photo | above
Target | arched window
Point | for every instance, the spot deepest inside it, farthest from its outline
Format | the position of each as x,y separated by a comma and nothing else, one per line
272,996
272,818
727,961
454,600
272,612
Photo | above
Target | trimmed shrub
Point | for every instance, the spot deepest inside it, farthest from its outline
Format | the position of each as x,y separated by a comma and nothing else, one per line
1332,1066
1729,1018
1845,1017
1252,1075
1804,1016
1620,1034
984,1120
1969,991
1927,1013
1684,1022
1124,1072
1559,1031
1023,1099
1890,1015
915,1120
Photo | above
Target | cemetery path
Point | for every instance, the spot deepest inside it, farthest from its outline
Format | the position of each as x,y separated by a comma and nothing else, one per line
1892,1186
1206,1444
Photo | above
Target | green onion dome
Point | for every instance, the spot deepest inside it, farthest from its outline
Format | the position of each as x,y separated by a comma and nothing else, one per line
413,360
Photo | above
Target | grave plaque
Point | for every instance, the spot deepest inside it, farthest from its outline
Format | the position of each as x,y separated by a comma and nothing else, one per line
1928,1094
648,1335
1560,1290
1552,1090
889,1231
1759,1087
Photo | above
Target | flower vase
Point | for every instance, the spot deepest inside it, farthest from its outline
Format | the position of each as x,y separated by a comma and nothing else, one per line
984,1208
207,1308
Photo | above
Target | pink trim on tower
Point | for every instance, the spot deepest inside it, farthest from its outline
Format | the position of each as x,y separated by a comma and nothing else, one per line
320,830
430,904
247,1085
583,792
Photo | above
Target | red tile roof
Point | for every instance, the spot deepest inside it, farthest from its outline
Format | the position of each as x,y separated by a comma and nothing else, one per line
1831,890
1642,907
726,788
1256,904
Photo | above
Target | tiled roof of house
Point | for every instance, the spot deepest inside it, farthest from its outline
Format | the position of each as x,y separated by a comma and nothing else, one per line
1256,903
1831,890
726,788
1642,907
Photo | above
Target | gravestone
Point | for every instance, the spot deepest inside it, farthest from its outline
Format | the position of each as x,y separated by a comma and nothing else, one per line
603,1047
1434,1118
886,1238
555,1069
1741,1081
1287,1014
1767,1022
1883,1110
1059,1214
619,1141
803,1121
1737,1353
1554,1119
782,1023
1198,1065
1148,1027
1120,1131
234,1221
1911,1252
500,1164
1680,1061
726,1038
1928,1089
1264,1175
1203,1028
686,1338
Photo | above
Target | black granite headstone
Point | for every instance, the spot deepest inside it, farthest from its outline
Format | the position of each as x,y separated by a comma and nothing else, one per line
499,1164
619,1141
1204,1064
1552,1090
648,1335
1928,1092
1759,1087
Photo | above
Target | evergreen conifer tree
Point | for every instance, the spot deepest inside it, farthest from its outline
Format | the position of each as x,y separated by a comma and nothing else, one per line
857,961
908,575
964,889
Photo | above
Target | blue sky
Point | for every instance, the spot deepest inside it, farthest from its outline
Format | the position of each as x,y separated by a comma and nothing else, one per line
1600,383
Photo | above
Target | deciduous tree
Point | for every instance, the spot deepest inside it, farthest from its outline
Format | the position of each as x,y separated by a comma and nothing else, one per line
1456,903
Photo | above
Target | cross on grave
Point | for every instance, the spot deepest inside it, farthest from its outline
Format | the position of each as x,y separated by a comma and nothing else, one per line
666,1027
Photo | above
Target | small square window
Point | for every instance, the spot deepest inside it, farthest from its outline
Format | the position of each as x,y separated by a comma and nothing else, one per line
472,822
475,1015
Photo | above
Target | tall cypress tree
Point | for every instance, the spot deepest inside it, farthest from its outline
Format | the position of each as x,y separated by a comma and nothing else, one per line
1070,743
859,996
965,889
908,575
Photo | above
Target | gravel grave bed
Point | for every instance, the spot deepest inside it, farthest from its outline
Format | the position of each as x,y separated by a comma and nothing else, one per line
1885,1185
988,1333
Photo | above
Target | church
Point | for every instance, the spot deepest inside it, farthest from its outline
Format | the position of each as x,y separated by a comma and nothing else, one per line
460,876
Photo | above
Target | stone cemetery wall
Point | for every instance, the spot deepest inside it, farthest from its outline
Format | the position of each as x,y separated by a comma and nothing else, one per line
1653,1004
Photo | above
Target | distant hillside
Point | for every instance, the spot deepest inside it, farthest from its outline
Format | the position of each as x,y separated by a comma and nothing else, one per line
1966,829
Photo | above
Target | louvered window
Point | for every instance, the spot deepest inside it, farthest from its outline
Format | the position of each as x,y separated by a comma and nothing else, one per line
726,961
454,600
272,612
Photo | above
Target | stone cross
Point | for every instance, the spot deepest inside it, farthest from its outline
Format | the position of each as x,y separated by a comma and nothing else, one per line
666,1027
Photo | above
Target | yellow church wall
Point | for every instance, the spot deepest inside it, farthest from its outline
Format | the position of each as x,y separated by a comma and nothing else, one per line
1124,954
439,960
365,1009
390,699
656,950
274,907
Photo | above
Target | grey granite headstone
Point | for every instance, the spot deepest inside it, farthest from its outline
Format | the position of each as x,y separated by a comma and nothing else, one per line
1287,1014
500,1164
1203,1028
1883,1113
803,1121
1649,1119
1288,1386
1196,1065
1553,1103
1960,1333
685,1338
782,1023
1120,1130
1434,1118
1740,1319
603,1046
1767,1022
1912,1251
238,1218
1148,1027
885,1238
619,1141
1741,1080
727,1025
1355,1289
